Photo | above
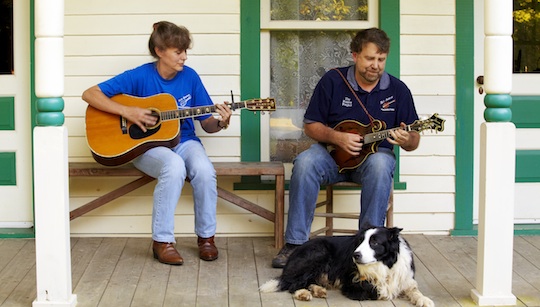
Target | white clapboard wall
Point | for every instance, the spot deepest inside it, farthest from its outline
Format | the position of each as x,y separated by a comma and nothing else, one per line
104,38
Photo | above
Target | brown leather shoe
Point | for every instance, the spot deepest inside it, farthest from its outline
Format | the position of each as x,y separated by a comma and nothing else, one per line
207,249
167,253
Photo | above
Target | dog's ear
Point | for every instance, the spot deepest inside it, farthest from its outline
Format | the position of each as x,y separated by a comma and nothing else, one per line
394,232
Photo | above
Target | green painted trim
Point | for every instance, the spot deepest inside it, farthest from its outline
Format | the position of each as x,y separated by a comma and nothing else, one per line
389,18
8,162
522,108
387,21
50,111
527,229
519,230
464,199
527,165
250,81
17,233
7,113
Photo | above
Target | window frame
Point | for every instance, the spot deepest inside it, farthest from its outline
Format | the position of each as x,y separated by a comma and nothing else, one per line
268,24
252,77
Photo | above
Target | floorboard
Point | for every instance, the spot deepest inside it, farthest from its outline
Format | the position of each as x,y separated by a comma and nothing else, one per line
117,272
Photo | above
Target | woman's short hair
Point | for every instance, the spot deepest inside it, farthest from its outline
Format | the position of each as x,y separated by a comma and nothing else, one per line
168,35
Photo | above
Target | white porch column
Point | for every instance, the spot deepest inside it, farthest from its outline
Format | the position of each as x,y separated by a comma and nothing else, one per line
53,248
497,166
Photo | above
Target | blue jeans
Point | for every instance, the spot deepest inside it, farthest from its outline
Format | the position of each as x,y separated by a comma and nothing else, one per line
315,166
171,167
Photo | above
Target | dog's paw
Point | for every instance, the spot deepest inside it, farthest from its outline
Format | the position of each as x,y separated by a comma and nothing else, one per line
303,295
318,291
425,302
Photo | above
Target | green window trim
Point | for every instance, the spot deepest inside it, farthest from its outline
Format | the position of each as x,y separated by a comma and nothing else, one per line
8,175
522,108
7,113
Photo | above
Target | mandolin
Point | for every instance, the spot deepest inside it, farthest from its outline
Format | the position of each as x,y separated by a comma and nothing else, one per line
373,135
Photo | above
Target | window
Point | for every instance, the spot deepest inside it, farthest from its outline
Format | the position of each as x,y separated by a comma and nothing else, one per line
526,36
305,38
6,37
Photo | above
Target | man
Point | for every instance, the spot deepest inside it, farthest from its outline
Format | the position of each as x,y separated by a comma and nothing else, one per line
365,93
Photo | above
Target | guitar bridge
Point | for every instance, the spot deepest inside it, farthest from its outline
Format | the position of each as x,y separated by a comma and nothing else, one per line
123,125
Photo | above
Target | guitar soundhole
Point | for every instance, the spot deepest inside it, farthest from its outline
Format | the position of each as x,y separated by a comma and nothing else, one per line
136,133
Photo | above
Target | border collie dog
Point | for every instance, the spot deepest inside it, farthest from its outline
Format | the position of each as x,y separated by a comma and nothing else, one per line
375,264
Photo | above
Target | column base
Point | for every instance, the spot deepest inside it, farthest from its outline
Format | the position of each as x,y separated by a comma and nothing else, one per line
71,302
493,300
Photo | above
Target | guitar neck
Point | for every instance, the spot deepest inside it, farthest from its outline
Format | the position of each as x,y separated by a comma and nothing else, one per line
194,112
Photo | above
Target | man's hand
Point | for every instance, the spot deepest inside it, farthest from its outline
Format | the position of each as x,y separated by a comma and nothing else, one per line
404,139
349,142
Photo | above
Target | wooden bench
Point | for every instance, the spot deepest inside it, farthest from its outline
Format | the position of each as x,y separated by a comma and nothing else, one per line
330,215
276,169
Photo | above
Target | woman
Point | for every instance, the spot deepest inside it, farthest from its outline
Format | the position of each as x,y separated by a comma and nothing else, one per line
168,44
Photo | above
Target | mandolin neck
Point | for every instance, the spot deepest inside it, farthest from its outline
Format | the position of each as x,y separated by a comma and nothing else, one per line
382,135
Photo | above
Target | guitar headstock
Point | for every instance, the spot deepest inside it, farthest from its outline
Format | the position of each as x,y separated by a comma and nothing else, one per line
433,123
261,104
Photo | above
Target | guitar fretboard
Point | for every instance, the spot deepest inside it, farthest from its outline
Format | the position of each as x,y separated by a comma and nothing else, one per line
193,112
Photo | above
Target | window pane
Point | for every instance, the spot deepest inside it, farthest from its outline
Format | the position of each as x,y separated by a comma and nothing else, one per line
319,10
298,59
526,36
6,37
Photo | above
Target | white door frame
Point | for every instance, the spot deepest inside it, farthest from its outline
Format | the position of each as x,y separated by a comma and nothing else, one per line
16,203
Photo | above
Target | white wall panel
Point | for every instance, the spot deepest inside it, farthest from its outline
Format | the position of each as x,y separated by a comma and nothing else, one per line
430,85
142,24
428,7
428,44
122,7
442,65
103,38
434,25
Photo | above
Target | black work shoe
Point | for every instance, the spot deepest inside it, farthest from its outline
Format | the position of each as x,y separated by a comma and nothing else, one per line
281,258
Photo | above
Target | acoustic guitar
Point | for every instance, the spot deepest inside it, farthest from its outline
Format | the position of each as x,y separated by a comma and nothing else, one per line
114,140
373,135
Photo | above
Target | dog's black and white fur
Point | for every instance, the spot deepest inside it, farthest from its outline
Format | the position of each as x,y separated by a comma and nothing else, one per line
375,264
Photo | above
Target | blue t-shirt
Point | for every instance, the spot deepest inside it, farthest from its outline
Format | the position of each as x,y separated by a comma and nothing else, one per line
143,81
332,101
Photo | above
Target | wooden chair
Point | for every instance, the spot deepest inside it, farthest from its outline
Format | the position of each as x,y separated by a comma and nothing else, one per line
330,215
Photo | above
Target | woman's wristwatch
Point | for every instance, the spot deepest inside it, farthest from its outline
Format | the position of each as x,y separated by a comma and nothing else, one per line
224,126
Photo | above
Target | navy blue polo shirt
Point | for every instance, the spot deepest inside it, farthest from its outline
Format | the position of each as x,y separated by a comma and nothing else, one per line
332,102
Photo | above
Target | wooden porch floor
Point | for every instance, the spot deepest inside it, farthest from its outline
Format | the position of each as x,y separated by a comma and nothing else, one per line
122,272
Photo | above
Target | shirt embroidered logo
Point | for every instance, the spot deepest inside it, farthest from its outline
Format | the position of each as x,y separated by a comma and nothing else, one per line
346,102
385,104
183,102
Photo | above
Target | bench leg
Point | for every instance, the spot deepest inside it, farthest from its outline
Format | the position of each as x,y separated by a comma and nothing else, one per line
279,211
330,209
102,200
